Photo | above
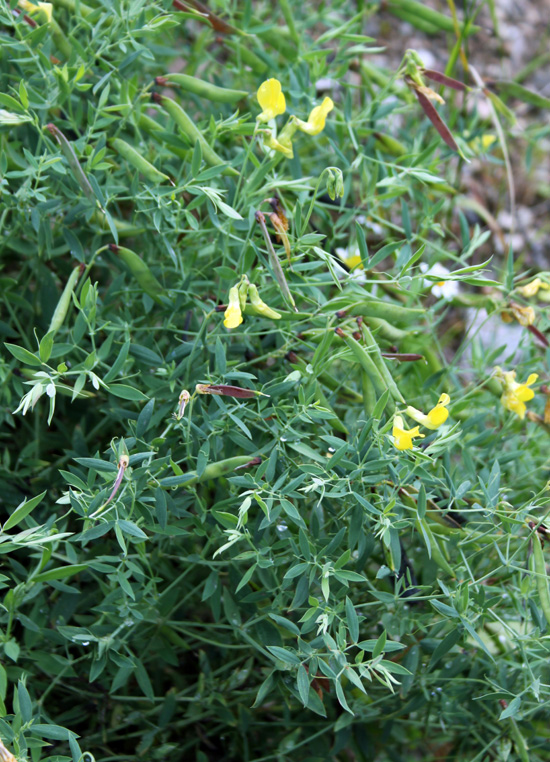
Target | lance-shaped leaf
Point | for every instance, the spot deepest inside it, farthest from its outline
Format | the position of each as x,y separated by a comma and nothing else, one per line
70,155
228,391
274,261
512,89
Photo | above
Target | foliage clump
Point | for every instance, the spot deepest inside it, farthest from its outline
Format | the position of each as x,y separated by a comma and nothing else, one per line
266,497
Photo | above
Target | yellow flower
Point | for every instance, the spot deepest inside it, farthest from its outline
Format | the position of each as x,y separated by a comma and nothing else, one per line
524,315
516,395
402,439
233,315
533,288
272,100
353,262
435,418
316,122
276,145
34,7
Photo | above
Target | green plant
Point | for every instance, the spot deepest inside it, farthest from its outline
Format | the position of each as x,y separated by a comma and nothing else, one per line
220,542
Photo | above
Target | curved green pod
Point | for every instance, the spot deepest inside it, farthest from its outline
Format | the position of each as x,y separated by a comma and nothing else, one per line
325,378
366,362
542,577
388,311
141,273
124,229
189,128
381,364
62,307
387,330
334,421
202,88
247,56
212,471
134,158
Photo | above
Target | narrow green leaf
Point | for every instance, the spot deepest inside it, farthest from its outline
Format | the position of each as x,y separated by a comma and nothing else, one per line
22,510
352,621
379,646
61,572
302,681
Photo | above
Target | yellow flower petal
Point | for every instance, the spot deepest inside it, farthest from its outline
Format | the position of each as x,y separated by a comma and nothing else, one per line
317,118
516,395
233,315
438,415
47,8
354,261
402,439
435,418
524,315
533,288
271,99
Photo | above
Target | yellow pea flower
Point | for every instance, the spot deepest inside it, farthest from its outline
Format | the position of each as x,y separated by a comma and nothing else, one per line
233,315
276,145
531,289
524,315
435,418
317,118
31,8
516,395
403,439
353,262
272,100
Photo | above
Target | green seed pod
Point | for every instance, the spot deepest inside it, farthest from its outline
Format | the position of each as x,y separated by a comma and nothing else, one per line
417,13
124,229
247,56
134,158
141,273
367,364
155,129
386,310
381,365
283,315
189,128
221,468
369,394
61,310
389,145
387,330
326,379
335,422
60,41
71,6
542,578
434,549
149,125
202,88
